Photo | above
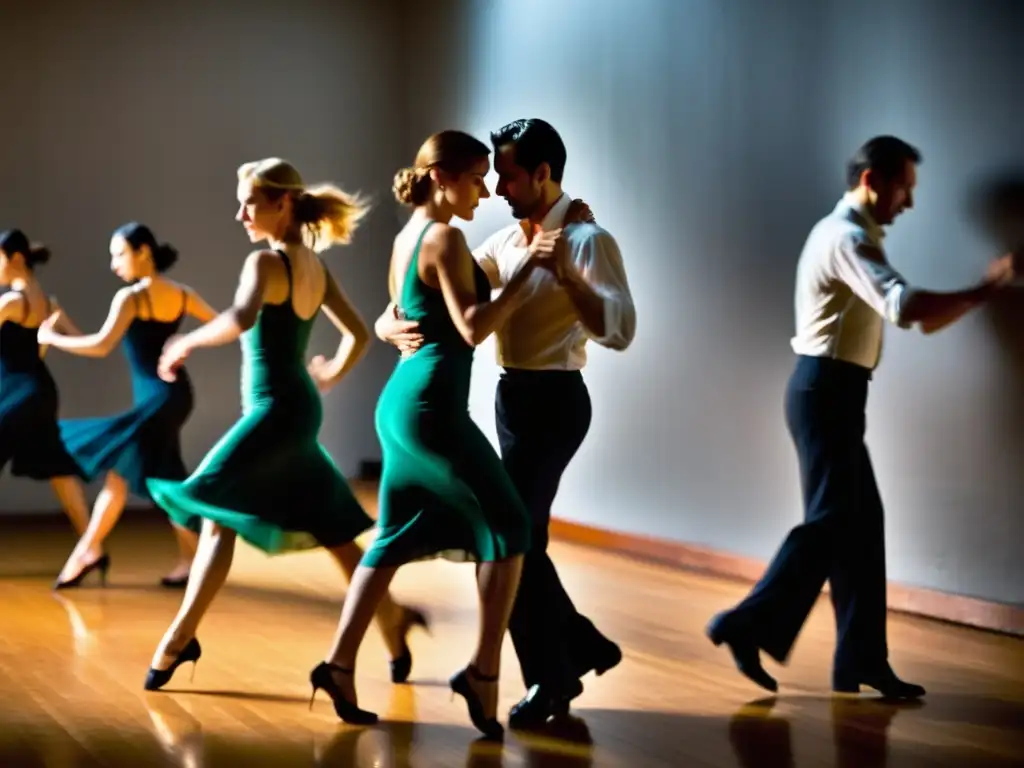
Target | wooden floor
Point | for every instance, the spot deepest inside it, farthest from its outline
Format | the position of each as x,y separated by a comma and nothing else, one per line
72,666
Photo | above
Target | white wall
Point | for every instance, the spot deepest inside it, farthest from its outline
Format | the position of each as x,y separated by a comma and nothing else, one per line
708,137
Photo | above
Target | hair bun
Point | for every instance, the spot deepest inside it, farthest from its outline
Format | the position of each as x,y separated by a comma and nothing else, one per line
164,257
405,182
37,254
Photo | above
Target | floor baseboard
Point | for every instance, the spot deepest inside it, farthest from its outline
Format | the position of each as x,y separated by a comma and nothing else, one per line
958,609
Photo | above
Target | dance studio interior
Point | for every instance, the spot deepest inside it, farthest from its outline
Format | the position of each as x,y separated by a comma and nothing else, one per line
710,149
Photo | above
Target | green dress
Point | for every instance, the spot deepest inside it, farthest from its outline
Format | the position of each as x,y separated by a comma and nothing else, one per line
268,478
444,491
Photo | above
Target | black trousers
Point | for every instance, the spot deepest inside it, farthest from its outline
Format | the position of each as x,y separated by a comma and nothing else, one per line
542,418
842,538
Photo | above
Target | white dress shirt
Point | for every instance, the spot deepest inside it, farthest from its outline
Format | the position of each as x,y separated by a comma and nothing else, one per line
544,332
846,289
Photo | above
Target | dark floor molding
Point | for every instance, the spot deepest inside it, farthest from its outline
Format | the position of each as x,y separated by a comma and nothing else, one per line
968,611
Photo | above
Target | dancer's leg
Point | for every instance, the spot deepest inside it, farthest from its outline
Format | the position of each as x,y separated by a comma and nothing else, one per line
209,572
106,512
390,616
188,541
497,583
71,495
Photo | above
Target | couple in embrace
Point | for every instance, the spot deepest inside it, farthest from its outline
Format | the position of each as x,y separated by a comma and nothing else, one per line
444,491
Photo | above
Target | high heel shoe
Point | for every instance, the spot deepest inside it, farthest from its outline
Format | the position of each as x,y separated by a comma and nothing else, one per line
459,683
402,666
321,678
174,583
158,678
101,564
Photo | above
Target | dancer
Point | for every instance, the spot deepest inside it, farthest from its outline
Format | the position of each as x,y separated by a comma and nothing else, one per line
443,491
845,291
542,406
144,441
268,479
29,436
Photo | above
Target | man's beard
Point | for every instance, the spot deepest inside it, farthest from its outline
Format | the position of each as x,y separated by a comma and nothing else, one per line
521,210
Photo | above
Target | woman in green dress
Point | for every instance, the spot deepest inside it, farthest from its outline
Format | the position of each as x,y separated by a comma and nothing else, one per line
144,441
29,436
444,491
268,479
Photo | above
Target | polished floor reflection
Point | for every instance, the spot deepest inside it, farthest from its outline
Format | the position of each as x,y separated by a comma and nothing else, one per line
72,666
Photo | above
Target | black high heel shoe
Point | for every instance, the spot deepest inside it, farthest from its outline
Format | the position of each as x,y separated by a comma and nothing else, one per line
321,678
101,564
402,666
179,583
158,678
459,683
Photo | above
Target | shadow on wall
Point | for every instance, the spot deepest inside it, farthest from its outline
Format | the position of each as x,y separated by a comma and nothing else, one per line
996,207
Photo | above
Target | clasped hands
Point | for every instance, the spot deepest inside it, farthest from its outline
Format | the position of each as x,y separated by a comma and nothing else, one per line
547,249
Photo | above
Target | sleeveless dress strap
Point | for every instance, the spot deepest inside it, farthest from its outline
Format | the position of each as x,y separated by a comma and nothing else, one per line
419,241
287,269
413,268
141,299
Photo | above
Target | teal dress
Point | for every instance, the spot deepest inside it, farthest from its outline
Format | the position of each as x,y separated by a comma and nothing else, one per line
29,435
268,478
444,491
145,440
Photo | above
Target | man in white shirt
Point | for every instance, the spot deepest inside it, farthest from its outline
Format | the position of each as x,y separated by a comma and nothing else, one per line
845,291
542,406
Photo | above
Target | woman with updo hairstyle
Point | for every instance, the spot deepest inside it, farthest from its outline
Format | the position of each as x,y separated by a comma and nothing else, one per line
29,435
145,441
268,479
444,491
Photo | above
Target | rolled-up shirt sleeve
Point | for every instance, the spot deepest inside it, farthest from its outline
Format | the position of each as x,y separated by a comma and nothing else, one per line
486,255
863,267
599,262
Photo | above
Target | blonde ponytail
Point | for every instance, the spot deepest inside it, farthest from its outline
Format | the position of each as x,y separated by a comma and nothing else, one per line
327,214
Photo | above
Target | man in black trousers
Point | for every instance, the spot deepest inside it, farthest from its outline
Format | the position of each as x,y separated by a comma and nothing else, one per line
542,406
845,291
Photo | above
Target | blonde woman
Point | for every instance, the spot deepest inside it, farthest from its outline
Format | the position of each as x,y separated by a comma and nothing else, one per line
268,479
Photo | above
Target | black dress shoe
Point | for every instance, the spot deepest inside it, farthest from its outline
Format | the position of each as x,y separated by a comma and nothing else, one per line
745,653
883,681
542,703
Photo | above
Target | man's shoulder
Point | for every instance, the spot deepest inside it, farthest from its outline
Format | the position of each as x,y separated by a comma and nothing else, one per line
839,229
585,232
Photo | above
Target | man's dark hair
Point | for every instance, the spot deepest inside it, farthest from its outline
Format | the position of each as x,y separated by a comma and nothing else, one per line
886,155
536,142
